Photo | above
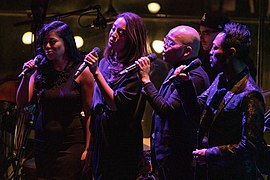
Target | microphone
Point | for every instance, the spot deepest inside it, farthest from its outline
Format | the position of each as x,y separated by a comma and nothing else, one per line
37,60
99,23
95,52
152,57
193,65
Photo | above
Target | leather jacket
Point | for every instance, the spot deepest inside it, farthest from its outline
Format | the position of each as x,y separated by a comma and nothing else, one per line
232,124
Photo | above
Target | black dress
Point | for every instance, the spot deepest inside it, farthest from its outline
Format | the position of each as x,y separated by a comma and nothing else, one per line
59,130
118,138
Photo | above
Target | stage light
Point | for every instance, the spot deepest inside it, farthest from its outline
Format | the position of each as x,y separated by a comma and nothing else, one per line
153,7
157,45
79,41
28,38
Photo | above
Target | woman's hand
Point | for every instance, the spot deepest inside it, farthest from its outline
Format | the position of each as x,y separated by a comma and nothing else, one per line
31,64
92,61
86,163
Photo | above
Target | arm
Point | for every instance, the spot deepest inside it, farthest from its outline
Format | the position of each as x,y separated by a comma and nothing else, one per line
187,86
25,90
86,81
252,132
105,89
163,107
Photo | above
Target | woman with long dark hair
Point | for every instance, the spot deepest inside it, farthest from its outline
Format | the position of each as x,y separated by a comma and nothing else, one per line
118,104
61,132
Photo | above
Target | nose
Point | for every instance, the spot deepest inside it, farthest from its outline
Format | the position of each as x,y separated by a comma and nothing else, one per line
114,35
47,45
211,52
201,36
165,46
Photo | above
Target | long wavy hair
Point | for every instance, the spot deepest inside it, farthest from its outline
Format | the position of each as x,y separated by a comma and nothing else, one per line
64,32
46,76
136,38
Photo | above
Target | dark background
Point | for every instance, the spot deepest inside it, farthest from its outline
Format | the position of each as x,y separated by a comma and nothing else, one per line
16,18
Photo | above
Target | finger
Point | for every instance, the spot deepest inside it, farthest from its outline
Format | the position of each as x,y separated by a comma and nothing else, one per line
146,62
92,56
89,62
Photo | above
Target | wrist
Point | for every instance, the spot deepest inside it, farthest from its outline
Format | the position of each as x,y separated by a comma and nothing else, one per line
145,80
96,73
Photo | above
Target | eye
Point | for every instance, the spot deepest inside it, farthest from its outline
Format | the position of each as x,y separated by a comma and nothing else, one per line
204,33
121,32
215,47
52,41
113,29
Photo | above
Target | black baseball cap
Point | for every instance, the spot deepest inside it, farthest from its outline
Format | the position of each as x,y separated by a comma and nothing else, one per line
214,20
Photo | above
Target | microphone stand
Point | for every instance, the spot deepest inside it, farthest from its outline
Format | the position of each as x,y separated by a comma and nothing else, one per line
30,110
63,15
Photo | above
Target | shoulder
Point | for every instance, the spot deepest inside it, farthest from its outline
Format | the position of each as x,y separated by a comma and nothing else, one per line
86,77
252,89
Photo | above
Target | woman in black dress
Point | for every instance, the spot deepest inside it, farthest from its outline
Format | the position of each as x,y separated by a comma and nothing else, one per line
61,133
118,104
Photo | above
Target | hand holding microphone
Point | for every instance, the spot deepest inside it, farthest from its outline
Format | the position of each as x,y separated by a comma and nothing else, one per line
184,69
91,59
30,65
144,64
152,57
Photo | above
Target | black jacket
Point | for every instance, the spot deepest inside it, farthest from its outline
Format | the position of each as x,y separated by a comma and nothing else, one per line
173,133
232,123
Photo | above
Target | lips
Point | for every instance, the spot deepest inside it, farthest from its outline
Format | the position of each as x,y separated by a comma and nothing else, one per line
211,60
49,52
111,41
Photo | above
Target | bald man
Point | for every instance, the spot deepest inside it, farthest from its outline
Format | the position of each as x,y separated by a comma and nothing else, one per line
173,133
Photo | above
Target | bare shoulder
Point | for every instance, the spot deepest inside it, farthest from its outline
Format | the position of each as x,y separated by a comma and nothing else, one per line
85,77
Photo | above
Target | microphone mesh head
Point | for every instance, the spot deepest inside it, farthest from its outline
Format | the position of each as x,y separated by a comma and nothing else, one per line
152,57
196,62
96,49
38,59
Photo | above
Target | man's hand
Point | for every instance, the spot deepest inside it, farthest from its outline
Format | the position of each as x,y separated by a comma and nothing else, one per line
199,156
144,65
178,70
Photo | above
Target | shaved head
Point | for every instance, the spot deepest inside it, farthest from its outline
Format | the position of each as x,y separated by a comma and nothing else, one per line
188,36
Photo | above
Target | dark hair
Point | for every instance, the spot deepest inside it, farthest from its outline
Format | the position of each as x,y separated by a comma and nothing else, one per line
238,36
46,76
136,37
63,31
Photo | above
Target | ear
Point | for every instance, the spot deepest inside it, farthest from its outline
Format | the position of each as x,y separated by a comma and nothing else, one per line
232,51
188,50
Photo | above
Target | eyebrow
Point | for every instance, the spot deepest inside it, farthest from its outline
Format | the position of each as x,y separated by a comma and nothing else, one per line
114,26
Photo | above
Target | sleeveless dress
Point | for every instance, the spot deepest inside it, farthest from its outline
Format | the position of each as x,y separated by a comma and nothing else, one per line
59,129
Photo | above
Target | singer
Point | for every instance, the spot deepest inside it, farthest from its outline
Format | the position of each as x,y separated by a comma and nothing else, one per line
61,134
231,129
118,104
173,132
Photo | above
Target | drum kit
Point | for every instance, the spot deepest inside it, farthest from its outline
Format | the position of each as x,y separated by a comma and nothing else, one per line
16,126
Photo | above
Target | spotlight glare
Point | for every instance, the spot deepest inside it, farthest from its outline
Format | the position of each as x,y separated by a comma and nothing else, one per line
153,7
158,46
79,41
28,38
